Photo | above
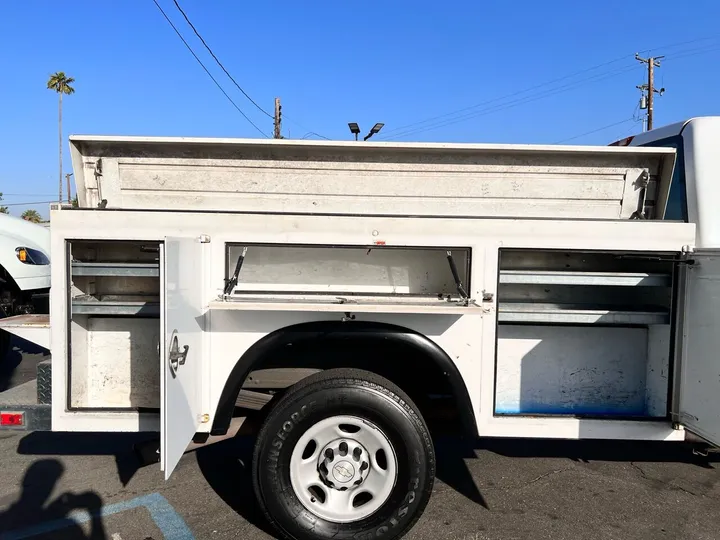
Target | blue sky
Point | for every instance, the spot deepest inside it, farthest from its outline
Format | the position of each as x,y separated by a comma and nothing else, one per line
398,62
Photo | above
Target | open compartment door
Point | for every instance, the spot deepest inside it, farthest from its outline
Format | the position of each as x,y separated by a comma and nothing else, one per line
182,335
697,386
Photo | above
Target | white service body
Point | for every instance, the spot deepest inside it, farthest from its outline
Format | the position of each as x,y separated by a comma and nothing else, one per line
580,321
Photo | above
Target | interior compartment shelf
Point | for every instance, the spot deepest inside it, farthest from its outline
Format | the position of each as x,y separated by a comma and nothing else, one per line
114,306
118,269
519,312
612,279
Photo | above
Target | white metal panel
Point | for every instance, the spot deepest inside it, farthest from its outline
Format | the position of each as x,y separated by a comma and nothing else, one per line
33,328
571,370
353,270
468,341
122,366
374,178
701,140
182,357
698,406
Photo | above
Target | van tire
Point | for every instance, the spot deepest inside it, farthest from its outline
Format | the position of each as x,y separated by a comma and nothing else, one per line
383,416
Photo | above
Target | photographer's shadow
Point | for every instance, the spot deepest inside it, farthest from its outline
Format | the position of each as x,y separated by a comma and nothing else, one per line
35,515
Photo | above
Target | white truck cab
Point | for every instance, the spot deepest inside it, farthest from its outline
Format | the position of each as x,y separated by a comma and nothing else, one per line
351,296
695,182
24,269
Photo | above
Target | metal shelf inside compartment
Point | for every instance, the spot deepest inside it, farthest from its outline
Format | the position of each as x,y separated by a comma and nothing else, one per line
521,312
115,305
119,269
612,279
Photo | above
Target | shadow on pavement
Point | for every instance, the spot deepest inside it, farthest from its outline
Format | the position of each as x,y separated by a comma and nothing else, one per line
34,508
120,445
227,468
10,366
586,451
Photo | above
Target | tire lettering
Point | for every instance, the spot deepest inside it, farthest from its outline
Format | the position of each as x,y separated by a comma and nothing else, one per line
281,435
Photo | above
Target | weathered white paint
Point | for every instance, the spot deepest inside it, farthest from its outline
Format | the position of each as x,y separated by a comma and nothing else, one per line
699,368
122,358
184,329
468,339
377,178
79,369
348,270
571,370
34,328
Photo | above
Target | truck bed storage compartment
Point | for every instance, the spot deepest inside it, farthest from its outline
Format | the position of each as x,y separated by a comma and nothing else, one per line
347,271
583,334
114,325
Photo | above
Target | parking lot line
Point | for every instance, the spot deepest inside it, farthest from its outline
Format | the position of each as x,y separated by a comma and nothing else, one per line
170,523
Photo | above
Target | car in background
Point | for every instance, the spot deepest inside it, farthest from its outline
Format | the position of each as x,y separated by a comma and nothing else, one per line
24,270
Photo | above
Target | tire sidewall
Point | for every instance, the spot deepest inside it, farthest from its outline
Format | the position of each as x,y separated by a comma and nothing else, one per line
406,433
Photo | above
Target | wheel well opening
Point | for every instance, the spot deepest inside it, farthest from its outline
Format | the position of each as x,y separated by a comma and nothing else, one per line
429,384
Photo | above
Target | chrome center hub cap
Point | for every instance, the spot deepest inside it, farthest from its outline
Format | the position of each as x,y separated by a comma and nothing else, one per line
344,464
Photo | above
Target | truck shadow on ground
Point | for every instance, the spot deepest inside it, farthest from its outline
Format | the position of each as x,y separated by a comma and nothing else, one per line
23,356
226,465
119,445
34,507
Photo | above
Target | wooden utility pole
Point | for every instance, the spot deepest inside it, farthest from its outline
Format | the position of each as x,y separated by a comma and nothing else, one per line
649,88
69,190
277,133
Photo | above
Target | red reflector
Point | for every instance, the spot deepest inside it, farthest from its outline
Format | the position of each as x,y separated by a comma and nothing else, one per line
12,419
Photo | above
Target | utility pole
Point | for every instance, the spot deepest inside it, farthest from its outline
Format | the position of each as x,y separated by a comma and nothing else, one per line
649,90
69,190
278,119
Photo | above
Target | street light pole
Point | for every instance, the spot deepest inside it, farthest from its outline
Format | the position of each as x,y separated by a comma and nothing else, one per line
355,130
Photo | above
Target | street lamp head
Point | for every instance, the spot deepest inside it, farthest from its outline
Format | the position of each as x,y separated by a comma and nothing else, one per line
376,128
354,128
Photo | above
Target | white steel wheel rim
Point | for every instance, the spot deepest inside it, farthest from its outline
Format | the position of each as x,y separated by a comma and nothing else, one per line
327,471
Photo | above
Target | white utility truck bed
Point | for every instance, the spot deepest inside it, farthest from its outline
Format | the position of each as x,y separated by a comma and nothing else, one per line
534,291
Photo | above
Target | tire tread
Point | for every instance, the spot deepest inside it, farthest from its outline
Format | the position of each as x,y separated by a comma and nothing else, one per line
342,377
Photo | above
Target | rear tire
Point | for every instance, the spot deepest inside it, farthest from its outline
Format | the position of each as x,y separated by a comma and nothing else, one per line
344,454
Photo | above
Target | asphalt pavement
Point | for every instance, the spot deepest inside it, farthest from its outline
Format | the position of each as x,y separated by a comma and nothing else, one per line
80,486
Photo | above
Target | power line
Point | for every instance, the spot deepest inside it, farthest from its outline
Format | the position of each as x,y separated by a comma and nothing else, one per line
502,98
28,203
632,119
692,52
27,194
519,101
437,122
206,69
219,63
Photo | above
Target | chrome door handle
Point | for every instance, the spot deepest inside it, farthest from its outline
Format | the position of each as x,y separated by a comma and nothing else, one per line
176,357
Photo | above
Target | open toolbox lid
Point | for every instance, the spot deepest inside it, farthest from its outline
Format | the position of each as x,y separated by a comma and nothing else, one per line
372,178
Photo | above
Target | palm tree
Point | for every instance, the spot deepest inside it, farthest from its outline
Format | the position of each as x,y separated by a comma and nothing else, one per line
3,209
59,82
32,215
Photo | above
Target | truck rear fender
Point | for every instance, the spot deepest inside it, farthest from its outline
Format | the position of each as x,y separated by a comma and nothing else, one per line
343,340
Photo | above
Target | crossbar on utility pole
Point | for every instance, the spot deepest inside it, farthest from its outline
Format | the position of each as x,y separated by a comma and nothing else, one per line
652,63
